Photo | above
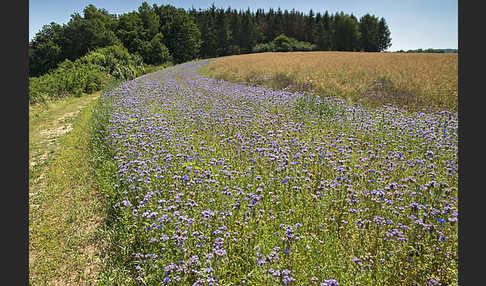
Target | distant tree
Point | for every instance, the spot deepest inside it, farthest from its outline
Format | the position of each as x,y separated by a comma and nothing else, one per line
45,49
282,43
181,34
150,21
263,47
300,26
235,32
241,31
368,27
322,36
157,52
139,33
309,27
269,33
346,32
223,33
325,40
259,25
94,30
205,21
130,31
247,39
384,39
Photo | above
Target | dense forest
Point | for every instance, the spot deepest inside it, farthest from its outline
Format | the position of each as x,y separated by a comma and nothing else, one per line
161,34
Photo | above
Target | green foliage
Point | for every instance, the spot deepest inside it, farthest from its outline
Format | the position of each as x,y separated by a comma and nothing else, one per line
346,32
320,106
264,47
324,32
157,52
223,33
83,34
45,49
68,79
154,68
234,50
282,43
182,36
55,43
150,21
86,75
368,28
116,61
302,46
130,30
384,39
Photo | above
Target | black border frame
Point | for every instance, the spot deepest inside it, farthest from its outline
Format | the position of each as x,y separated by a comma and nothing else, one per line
16,77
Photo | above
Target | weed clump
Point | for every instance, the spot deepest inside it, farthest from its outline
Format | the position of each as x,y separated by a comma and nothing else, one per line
317,105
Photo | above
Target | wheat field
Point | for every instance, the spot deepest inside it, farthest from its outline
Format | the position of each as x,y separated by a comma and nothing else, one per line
418,81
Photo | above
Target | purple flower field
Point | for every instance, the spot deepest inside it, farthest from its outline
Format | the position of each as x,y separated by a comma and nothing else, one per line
219,183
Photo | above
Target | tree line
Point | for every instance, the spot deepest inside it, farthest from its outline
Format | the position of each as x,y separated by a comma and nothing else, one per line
160,34
430,50
227,32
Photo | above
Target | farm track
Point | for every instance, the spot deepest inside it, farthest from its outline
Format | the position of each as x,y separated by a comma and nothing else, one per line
64,212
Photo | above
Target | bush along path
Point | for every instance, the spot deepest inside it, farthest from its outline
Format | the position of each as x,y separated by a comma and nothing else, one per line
215,183
65,210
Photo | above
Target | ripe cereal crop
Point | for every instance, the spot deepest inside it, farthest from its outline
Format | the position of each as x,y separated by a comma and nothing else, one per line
415,81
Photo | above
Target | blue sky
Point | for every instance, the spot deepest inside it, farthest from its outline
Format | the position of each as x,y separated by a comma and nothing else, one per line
413,23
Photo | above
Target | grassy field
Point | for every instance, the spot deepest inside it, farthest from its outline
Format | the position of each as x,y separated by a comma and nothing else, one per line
208,182
418,81
65,210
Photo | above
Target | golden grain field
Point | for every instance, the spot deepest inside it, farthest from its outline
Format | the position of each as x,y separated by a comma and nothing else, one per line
415,81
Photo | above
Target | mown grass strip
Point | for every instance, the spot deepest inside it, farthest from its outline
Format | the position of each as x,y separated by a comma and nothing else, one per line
65,209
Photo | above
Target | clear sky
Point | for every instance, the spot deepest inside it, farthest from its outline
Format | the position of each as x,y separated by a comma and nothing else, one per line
413,24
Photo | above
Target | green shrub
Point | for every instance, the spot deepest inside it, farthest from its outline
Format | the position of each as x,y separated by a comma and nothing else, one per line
282,43
154,68
320,106
156,52
302,46
116,61
264,47
87,74
68,79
